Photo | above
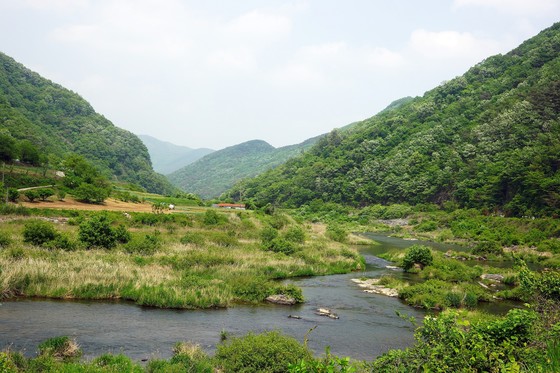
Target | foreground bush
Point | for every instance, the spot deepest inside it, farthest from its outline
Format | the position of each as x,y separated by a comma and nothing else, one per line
61,348
97,232
267,352
38,232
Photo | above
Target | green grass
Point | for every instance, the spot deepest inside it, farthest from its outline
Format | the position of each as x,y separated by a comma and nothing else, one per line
172,261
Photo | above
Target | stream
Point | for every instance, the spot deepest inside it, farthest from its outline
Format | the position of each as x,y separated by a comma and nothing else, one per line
368,325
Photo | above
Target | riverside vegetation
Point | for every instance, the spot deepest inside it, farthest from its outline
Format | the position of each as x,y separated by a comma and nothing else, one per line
204,260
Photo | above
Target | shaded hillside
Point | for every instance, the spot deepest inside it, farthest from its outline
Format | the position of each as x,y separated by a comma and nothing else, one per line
488,139
213,174
58,121
167,157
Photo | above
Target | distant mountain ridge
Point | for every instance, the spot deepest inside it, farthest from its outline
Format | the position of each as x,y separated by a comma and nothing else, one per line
168,157
216,172
58,121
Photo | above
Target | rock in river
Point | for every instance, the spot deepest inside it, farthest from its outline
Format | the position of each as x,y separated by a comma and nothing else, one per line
281,299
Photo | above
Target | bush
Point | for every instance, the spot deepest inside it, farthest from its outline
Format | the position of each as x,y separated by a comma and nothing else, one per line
90,193
38,232
211,217
122,234
61,242
147,246
488,247
13,194
45,193
417,254
295,234
193,238
426,226
337,233
116,363
97,232
5,240
267,352
31,195
61,348
280,245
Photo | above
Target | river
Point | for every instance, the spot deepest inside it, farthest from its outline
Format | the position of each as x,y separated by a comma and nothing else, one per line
368,325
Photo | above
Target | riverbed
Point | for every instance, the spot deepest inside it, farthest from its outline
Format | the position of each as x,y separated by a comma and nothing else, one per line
367,326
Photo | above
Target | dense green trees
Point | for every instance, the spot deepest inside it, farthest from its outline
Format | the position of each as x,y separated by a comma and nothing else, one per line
489,139
44,118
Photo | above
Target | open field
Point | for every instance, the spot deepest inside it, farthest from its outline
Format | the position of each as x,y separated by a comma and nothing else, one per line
110,204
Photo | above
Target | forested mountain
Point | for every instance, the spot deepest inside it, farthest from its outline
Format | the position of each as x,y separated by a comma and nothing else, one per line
58,121
167,157
213,174
489,139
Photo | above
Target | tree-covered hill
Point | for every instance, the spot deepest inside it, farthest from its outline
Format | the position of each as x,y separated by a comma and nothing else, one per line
213,174
489,139
58,121
167,157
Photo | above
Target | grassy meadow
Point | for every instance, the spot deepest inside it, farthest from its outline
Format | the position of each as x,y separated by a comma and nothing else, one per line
201,259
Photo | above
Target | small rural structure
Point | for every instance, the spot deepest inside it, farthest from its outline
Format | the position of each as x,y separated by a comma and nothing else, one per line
233,206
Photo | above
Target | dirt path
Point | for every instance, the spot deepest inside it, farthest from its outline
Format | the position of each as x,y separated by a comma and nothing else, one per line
109,205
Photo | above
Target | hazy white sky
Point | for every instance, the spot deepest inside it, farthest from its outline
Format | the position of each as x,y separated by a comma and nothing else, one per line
217,73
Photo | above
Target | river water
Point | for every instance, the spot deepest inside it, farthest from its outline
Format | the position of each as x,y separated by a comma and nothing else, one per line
368,325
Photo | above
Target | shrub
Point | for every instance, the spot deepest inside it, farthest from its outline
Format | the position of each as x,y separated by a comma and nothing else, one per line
211,217
280,245
267,352
13,194
488,247
61,348
337,233
61,242
268,234
122,234
295,234
193,238
31,195
426,226
417,254
45,193
5,240
6,363
146,246
116,363
97,232
90,193
38,232
61,194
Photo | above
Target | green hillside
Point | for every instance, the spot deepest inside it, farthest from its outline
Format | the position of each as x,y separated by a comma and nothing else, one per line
167,157
213,174
58,121
489,139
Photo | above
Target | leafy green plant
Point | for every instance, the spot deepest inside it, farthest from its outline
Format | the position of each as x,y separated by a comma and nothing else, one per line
13,194
337,233
266,352
417,255
5,240
61,348
148,245
38,232
45,193
31,195
193,238
97,232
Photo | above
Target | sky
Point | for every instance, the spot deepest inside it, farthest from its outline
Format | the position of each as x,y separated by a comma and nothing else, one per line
217,73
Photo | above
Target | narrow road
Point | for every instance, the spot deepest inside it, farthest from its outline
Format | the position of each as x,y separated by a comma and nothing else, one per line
37,187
